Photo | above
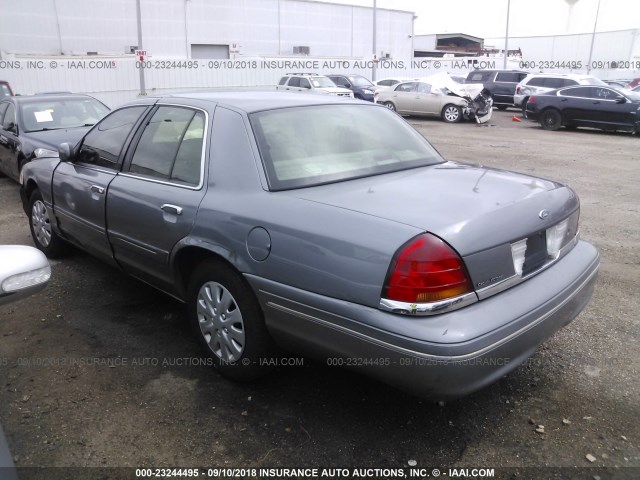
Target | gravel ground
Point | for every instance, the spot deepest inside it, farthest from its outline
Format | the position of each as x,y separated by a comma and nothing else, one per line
59,409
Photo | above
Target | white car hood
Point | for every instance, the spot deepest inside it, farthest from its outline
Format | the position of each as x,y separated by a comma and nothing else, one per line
443,81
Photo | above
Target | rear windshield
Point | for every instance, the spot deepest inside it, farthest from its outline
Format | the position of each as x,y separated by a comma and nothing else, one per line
307,146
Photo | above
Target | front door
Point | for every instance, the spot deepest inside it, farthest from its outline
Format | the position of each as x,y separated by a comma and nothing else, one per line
80,188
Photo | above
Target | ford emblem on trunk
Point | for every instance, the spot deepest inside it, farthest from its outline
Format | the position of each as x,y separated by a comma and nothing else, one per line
543,214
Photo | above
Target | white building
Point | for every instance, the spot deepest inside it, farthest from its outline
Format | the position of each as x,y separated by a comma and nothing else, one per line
202,28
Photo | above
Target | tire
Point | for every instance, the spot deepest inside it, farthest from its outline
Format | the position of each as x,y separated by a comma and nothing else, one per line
502,107
451,113
551,120
390,106
229,322
44,238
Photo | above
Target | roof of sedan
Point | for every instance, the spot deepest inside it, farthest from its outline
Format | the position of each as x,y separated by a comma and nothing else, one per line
254,101
43,97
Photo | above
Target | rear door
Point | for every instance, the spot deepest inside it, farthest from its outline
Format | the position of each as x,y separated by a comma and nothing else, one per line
153,202
505,86
577,105
80,188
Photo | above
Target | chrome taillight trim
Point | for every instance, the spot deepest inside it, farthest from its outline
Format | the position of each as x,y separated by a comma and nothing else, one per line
432,308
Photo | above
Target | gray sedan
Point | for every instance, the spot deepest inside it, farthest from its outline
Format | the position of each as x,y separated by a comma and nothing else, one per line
323,226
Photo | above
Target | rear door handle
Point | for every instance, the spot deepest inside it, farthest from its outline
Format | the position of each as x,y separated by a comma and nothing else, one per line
564,100
596,103
97,189
171,209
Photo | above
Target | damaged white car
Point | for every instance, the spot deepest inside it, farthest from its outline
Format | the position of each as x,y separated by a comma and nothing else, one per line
439,96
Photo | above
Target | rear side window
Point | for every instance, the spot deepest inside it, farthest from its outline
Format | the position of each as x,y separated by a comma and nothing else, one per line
103,145
567,82
554,82
170,147
294,82
477,77
584,92
536,82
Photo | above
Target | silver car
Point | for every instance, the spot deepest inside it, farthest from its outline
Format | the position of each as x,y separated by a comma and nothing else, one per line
327,227
438,96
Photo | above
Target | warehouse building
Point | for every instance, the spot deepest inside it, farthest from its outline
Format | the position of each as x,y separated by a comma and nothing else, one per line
203,28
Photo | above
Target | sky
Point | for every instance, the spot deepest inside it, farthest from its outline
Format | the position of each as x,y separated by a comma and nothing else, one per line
487,18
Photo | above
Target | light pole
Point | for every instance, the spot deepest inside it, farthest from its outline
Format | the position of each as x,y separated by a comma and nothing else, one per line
373,66
593,38
506,37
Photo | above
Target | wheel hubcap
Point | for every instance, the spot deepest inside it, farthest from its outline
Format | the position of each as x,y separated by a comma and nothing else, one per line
41,223
221,322
451,114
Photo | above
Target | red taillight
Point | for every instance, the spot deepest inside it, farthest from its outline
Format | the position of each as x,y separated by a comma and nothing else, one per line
518,89
531,100
425,270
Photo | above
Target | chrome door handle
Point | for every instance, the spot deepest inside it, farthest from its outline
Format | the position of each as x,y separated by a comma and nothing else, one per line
171,209
97,189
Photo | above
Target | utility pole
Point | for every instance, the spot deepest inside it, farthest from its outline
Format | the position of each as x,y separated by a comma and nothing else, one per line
375,48
593,38
506,37
141,69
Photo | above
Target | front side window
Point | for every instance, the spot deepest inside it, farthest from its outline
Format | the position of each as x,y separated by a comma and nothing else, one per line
304,83
170,147
606,93
3,108
318,144
9,120
424,87
322,82
103,145
554,82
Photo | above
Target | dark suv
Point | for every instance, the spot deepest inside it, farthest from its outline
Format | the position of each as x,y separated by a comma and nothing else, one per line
359,85
501,84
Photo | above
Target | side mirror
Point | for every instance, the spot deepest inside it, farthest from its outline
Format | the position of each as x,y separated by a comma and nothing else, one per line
621,100
65,152
12,127
23,271
347,85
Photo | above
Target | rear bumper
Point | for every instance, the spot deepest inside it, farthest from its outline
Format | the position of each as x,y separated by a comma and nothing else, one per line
433,356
